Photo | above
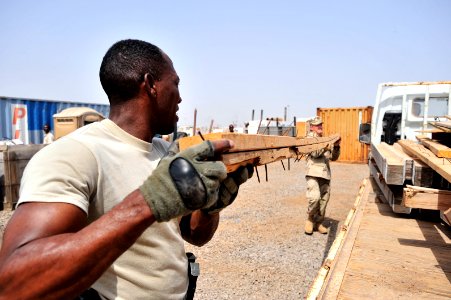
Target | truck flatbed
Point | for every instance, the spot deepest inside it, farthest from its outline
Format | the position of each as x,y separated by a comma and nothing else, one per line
384,255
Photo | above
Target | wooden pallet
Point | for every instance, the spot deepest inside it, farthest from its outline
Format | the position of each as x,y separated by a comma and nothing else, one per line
13,160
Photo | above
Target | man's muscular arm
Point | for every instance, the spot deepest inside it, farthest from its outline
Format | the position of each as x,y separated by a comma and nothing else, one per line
48,252
199,227
48,248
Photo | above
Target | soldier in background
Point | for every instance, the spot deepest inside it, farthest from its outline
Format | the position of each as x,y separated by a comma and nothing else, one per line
318,179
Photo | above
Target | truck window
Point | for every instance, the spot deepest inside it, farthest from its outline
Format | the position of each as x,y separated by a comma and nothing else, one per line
438,107
390,127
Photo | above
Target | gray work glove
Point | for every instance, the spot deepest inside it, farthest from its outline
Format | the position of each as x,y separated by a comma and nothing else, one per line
184,181
228,189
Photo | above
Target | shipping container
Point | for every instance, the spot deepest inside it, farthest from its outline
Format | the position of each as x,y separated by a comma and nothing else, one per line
346,122
23,119
301,129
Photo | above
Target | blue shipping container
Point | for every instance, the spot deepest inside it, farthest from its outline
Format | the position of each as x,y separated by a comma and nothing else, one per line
23,119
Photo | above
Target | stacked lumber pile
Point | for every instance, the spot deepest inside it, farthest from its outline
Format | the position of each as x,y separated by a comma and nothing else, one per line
436,154
397,166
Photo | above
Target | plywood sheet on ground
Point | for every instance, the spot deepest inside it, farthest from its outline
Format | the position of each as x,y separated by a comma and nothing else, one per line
395,257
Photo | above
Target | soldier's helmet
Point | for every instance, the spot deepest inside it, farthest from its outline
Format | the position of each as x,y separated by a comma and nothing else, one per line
316,121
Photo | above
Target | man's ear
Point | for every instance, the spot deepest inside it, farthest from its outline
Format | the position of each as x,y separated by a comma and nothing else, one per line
150,84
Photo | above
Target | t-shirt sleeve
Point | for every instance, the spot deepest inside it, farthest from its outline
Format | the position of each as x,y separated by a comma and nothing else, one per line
65,171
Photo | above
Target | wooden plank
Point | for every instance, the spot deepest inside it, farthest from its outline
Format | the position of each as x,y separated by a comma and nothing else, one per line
409,163
433,130
397,258
249,142
391,166
390,257
392,195
438,149
257,158
440,165
333,281
443,124
426,198
421,173
261,149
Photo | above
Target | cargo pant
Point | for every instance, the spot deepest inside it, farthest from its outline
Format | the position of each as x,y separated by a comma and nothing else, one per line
318,194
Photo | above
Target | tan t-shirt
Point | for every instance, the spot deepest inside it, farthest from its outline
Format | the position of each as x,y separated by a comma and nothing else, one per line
95,168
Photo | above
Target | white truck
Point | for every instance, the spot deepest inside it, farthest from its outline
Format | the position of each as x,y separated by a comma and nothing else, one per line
403,111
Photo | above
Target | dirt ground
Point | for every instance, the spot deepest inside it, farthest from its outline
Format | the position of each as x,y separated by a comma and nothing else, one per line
260,250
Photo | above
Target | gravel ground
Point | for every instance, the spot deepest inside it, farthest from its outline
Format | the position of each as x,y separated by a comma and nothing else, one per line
4,217
260,250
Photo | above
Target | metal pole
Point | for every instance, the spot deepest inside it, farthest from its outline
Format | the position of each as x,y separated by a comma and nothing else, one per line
211,126
195,119
175,132
260,123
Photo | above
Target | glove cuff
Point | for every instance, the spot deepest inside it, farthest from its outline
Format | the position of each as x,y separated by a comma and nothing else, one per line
162,210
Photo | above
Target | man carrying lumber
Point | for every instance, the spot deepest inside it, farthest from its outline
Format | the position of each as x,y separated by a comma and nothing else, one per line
318,179
101,208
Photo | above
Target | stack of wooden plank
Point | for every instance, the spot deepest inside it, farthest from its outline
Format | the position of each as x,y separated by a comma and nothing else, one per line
396,166
435,153
443,126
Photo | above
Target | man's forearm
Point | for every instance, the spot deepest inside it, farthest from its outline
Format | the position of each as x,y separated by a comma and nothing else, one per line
64,265
198,228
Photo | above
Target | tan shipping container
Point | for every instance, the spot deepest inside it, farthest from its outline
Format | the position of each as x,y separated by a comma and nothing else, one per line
73,118
346,122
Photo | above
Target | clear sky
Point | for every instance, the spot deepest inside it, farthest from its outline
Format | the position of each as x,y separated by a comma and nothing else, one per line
232,56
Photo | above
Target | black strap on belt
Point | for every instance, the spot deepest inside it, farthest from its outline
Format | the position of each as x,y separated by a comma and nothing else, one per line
90,294
193,273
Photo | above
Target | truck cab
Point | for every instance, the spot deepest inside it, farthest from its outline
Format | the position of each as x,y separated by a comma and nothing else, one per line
402,110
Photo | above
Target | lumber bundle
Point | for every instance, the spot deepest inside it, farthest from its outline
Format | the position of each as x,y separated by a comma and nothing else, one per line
416,170
260,149
440,165
391,165
396,166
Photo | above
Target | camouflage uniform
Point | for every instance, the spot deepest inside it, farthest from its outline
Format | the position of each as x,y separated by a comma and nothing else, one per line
318,180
